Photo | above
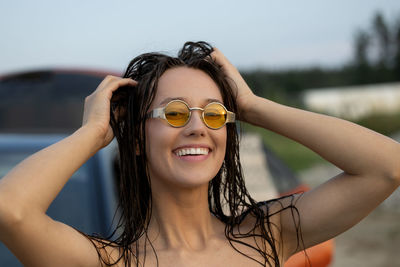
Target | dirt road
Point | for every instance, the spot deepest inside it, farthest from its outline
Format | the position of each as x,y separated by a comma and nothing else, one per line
374,242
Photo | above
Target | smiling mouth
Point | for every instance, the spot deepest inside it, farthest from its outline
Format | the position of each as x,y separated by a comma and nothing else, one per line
192,151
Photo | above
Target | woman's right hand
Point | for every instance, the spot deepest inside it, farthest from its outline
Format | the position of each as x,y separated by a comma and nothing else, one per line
242,91
96,113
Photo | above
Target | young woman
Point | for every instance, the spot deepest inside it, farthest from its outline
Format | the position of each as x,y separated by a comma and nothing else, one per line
182,196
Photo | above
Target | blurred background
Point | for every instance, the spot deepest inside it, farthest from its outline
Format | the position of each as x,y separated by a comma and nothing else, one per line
340,58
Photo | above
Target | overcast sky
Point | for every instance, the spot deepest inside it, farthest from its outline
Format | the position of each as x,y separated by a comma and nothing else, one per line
105,34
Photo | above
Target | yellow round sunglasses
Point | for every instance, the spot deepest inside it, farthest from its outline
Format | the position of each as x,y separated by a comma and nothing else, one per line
177,113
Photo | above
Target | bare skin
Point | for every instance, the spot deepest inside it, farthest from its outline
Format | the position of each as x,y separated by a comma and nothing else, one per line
183,230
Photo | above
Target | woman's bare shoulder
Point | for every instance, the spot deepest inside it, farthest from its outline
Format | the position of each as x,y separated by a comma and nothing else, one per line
110,253
266,217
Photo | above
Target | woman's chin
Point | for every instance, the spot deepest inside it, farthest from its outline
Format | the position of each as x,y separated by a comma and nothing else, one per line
185,182
192,182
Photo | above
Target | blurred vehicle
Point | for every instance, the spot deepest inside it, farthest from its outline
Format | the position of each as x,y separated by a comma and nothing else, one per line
88,200
40,108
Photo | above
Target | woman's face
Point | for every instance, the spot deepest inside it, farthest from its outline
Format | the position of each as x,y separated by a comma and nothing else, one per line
164,142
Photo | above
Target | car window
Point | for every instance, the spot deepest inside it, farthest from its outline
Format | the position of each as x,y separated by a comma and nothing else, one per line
44,101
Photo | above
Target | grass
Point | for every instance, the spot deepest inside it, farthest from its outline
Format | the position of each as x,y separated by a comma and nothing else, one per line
295,155
387,124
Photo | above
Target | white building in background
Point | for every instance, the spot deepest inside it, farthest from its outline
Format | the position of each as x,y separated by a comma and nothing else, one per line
353,102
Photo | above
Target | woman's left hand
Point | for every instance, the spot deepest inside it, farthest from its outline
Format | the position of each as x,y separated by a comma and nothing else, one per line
240,88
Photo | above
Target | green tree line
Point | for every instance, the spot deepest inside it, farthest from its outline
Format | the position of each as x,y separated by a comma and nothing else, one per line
376,59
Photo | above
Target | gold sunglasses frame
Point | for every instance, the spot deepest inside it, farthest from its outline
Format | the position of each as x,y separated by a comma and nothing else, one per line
160,113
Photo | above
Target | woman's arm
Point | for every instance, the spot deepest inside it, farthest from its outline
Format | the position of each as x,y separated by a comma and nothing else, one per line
27,190
354,149
370,164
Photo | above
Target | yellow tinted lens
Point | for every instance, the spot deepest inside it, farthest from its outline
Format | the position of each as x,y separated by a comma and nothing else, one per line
214,115
177,113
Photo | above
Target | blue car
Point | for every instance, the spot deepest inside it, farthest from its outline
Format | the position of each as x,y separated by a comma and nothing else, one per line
88,200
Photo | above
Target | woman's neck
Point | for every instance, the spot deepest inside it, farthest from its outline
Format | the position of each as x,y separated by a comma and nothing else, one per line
181,219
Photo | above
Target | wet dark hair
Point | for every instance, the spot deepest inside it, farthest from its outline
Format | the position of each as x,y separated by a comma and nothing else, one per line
228,197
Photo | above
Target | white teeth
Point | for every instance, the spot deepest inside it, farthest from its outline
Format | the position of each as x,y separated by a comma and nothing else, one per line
192,151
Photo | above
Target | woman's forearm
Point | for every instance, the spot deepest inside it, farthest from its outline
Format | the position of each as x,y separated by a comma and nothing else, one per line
34,183
354,149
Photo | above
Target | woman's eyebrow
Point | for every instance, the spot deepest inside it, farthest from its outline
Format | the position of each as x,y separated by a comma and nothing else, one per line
169,99
209,100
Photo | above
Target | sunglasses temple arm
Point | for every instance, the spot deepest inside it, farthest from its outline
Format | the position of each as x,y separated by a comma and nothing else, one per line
230,117
158,113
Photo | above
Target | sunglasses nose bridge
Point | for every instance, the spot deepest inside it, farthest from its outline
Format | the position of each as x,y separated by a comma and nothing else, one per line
199,109
195,108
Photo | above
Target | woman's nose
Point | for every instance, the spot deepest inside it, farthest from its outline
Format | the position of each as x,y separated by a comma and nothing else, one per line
196,125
